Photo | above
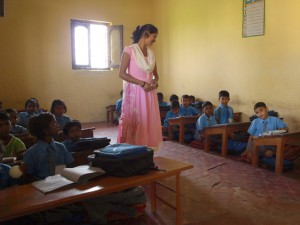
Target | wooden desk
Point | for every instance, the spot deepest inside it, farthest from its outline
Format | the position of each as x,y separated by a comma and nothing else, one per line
110,113
225,130
22,200
181,122
279,141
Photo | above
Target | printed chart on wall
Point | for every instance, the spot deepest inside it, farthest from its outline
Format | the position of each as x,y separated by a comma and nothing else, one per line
253,18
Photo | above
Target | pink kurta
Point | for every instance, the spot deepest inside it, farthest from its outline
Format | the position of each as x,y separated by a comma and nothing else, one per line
140,119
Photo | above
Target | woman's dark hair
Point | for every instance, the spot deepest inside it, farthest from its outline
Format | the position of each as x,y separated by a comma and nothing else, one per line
39,123
58,102
68,126
30,101
140,30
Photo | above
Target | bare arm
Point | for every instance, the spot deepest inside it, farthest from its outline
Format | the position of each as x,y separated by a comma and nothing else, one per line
127,77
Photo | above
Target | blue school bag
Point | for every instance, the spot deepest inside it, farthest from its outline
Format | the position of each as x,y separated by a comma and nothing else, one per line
234,147
123,160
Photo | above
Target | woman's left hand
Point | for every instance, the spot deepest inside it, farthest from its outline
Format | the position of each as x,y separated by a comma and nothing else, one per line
153,84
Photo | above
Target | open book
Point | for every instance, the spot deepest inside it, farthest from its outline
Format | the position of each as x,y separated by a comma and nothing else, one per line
79,174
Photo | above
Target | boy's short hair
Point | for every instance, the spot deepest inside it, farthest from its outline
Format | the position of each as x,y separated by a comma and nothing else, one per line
160,95
223,93
4,116
9,111
206,103
185,96
38,123
58,102
260,104
173,97
68,126
30,101
175,104
192,97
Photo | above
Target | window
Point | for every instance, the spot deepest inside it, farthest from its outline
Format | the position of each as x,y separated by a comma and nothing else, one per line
96,45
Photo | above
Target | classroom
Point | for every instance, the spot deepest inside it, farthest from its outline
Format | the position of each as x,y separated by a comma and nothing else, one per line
199,50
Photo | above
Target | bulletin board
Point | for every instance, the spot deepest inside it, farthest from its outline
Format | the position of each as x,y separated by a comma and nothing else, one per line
253,18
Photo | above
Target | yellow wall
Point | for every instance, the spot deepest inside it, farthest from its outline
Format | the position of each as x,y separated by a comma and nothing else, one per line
35,54
200,51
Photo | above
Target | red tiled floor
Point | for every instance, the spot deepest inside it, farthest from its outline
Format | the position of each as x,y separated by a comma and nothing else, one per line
220,190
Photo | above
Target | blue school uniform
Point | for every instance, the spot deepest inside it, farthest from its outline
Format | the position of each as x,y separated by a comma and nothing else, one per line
24,118
203,122
119,106
163,104
38,161
189,111
169,115
17,129
259,126
223,114
62,121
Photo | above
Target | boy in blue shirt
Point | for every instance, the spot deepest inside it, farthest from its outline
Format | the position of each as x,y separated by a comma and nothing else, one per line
224,113
46,156
160,98
30,111
186,109
261,126
118,108
205,120
173,113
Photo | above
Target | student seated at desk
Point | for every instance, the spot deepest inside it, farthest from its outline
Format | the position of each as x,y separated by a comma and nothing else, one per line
42,158
30,111
58,109
173,113
13,147
172,98
205,120
16,129
160,98
263,124
186,109
224,113
72,131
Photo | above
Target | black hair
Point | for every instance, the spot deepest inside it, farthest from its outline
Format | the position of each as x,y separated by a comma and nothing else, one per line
37,102
160,95
173,97
4,116
58,102
206,103
30,101
141,30
38,123
9,111
185,96
175,104
68,126
192,97
260,104
223,93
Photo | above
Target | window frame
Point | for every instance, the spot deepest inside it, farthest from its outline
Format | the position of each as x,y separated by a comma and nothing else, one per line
110,44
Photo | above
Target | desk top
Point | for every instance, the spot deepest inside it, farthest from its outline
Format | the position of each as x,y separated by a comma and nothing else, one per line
25,199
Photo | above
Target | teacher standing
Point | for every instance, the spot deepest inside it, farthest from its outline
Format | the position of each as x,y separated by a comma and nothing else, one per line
140,119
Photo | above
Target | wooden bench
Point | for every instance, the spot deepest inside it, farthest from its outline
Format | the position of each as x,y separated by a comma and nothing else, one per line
181,122
225,130
279,140
110,113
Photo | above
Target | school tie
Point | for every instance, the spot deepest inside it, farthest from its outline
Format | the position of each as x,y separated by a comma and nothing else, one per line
226,114
265,126
51,157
